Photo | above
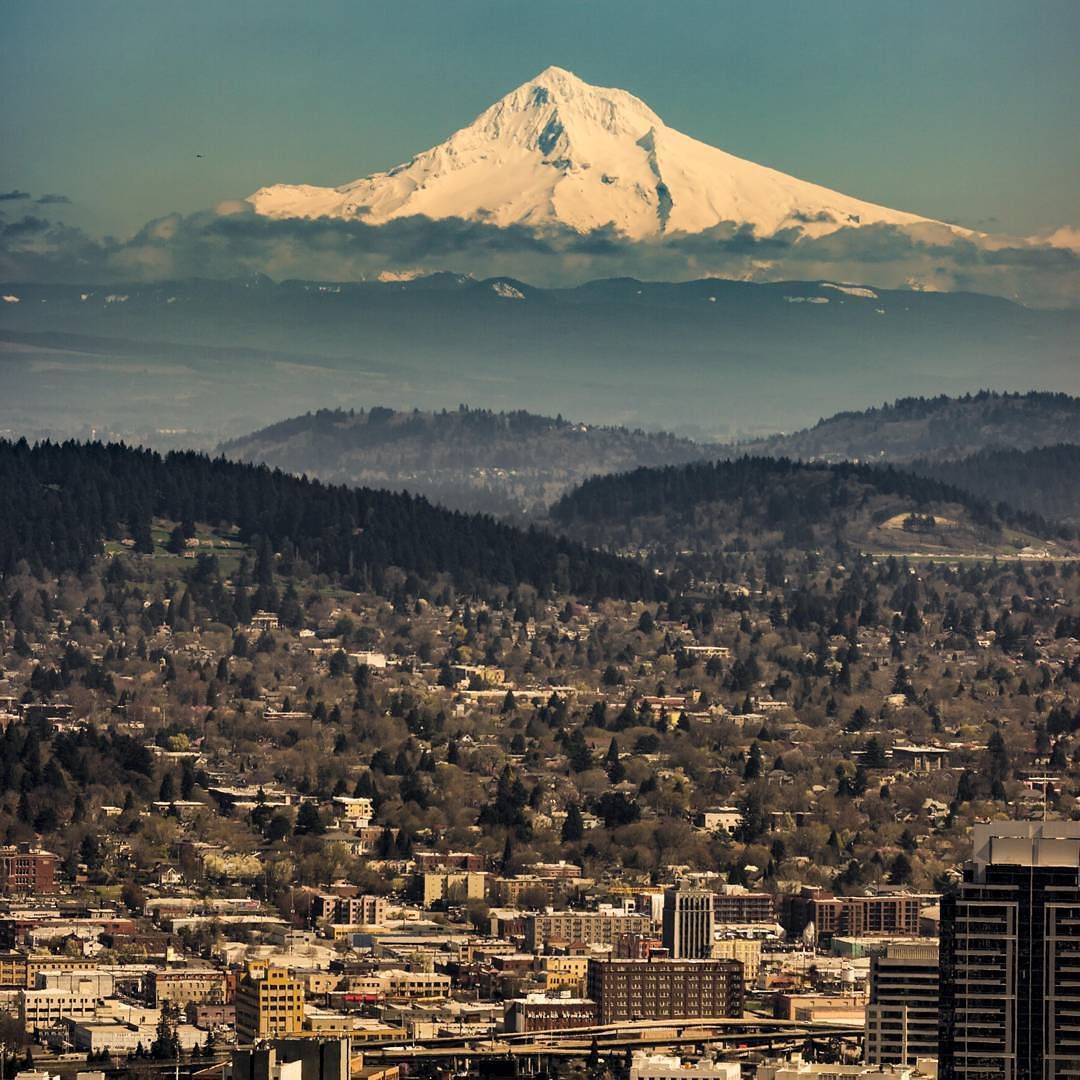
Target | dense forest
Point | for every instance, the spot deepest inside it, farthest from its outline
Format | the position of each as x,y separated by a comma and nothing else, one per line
776,493
466,458
934,427
58,502
1044,481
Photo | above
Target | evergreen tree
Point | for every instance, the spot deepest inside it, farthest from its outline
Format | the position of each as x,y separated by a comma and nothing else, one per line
573,828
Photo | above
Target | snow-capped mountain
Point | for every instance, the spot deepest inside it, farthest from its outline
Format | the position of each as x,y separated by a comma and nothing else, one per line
557,151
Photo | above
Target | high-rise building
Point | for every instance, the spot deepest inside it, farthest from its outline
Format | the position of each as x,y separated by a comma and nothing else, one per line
270,1007
902,1014
1010,956
688,922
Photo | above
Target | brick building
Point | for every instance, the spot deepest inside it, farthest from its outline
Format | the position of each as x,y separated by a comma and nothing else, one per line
182,985
887,914
536,1012
743,907
583,928
665,989
27,871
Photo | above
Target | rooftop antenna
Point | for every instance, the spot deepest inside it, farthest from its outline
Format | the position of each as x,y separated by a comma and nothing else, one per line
1045,782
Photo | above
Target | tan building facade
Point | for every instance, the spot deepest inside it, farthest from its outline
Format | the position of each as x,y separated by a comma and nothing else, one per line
269,1007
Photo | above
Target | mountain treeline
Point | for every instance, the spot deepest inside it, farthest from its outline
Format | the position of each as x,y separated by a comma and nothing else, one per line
354,428
1044,481
934,427
776,492
59,501
466,458
998,406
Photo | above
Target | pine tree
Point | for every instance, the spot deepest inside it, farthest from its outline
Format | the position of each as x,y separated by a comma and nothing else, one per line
573,826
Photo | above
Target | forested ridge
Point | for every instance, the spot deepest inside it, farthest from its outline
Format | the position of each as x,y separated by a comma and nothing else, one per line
59,501
1044,481
507,463
934,428
997,406
777,492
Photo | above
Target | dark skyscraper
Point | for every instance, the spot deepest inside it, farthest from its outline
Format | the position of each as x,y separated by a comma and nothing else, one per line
1010,956
688,923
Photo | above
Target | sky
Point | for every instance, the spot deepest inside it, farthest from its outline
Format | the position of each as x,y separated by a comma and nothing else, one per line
963,111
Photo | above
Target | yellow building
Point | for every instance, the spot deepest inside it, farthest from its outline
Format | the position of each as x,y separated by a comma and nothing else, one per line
38,962
566,973
748,953
13,971
455,886
269,1007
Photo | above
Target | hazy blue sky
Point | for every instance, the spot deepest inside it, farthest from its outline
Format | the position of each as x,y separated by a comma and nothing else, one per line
960,110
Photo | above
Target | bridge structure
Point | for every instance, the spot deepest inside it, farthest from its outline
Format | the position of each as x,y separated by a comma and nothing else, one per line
530,1050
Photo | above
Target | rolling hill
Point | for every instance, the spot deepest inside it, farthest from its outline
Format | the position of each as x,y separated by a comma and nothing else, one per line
59,503
706,508
934,428
471,459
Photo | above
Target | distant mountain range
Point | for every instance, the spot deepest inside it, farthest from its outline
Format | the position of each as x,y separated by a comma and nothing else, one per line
1022,450
712,360
558,151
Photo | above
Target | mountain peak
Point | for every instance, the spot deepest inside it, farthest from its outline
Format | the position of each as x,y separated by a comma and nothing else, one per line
557,151
562,109
553,75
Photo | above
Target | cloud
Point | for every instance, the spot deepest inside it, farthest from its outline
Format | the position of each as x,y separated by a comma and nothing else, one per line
822,216
232,240
1066,237
26,226
13,196
52,199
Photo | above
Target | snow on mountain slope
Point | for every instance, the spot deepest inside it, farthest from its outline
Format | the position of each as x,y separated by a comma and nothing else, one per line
557,151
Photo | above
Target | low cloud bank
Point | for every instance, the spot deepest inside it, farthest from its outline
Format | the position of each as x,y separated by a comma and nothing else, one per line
231,240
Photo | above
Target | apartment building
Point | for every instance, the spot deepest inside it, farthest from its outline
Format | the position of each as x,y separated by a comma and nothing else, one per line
665,989
886,914
27,871
12,970
269,1007
431,888
582,928
182,985
902,1014
746,950
743,907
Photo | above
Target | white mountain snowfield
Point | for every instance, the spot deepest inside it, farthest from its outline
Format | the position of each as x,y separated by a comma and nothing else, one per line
559,152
